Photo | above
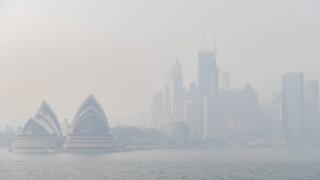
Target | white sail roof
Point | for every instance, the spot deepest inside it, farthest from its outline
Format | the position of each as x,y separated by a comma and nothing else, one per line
46,119
90,108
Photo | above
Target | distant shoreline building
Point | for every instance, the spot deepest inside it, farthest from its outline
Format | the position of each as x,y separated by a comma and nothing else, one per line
175,92
311,119
292,105
208,82
225,80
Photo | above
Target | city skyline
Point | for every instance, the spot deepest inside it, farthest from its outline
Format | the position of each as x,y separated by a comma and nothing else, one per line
120,57
164,89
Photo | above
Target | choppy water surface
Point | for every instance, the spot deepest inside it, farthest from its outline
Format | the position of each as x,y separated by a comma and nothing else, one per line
219,164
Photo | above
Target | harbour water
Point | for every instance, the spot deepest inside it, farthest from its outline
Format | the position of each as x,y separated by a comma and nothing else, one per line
224,164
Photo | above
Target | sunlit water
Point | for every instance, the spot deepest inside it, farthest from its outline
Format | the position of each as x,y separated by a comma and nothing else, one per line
264,164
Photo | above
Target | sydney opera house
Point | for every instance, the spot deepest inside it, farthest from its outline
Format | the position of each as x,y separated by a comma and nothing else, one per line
41,133
89,131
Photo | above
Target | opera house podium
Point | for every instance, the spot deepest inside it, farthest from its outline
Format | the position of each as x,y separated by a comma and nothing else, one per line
90,131
42,133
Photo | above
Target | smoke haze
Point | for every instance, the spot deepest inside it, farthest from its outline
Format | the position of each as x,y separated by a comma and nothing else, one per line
64,50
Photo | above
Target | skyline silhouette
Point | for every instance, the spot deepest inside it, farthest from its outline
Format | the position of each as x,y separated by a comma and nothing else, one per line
63,54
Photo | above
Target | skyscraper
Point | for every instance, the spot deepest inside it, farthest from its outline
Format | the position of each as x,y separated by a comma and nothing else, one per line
158,111
175,92
248,111
311,108
292,105
276,114
192,112
208,76
208,82
225,80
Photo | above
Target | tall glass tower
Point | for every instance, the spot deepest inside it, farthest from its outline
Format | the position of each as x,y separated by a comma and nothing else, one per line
292,105
208,79
208,73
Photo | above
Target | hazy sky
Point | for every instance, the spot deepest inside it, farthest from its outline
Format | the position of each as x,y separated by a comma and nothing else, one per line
118,50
